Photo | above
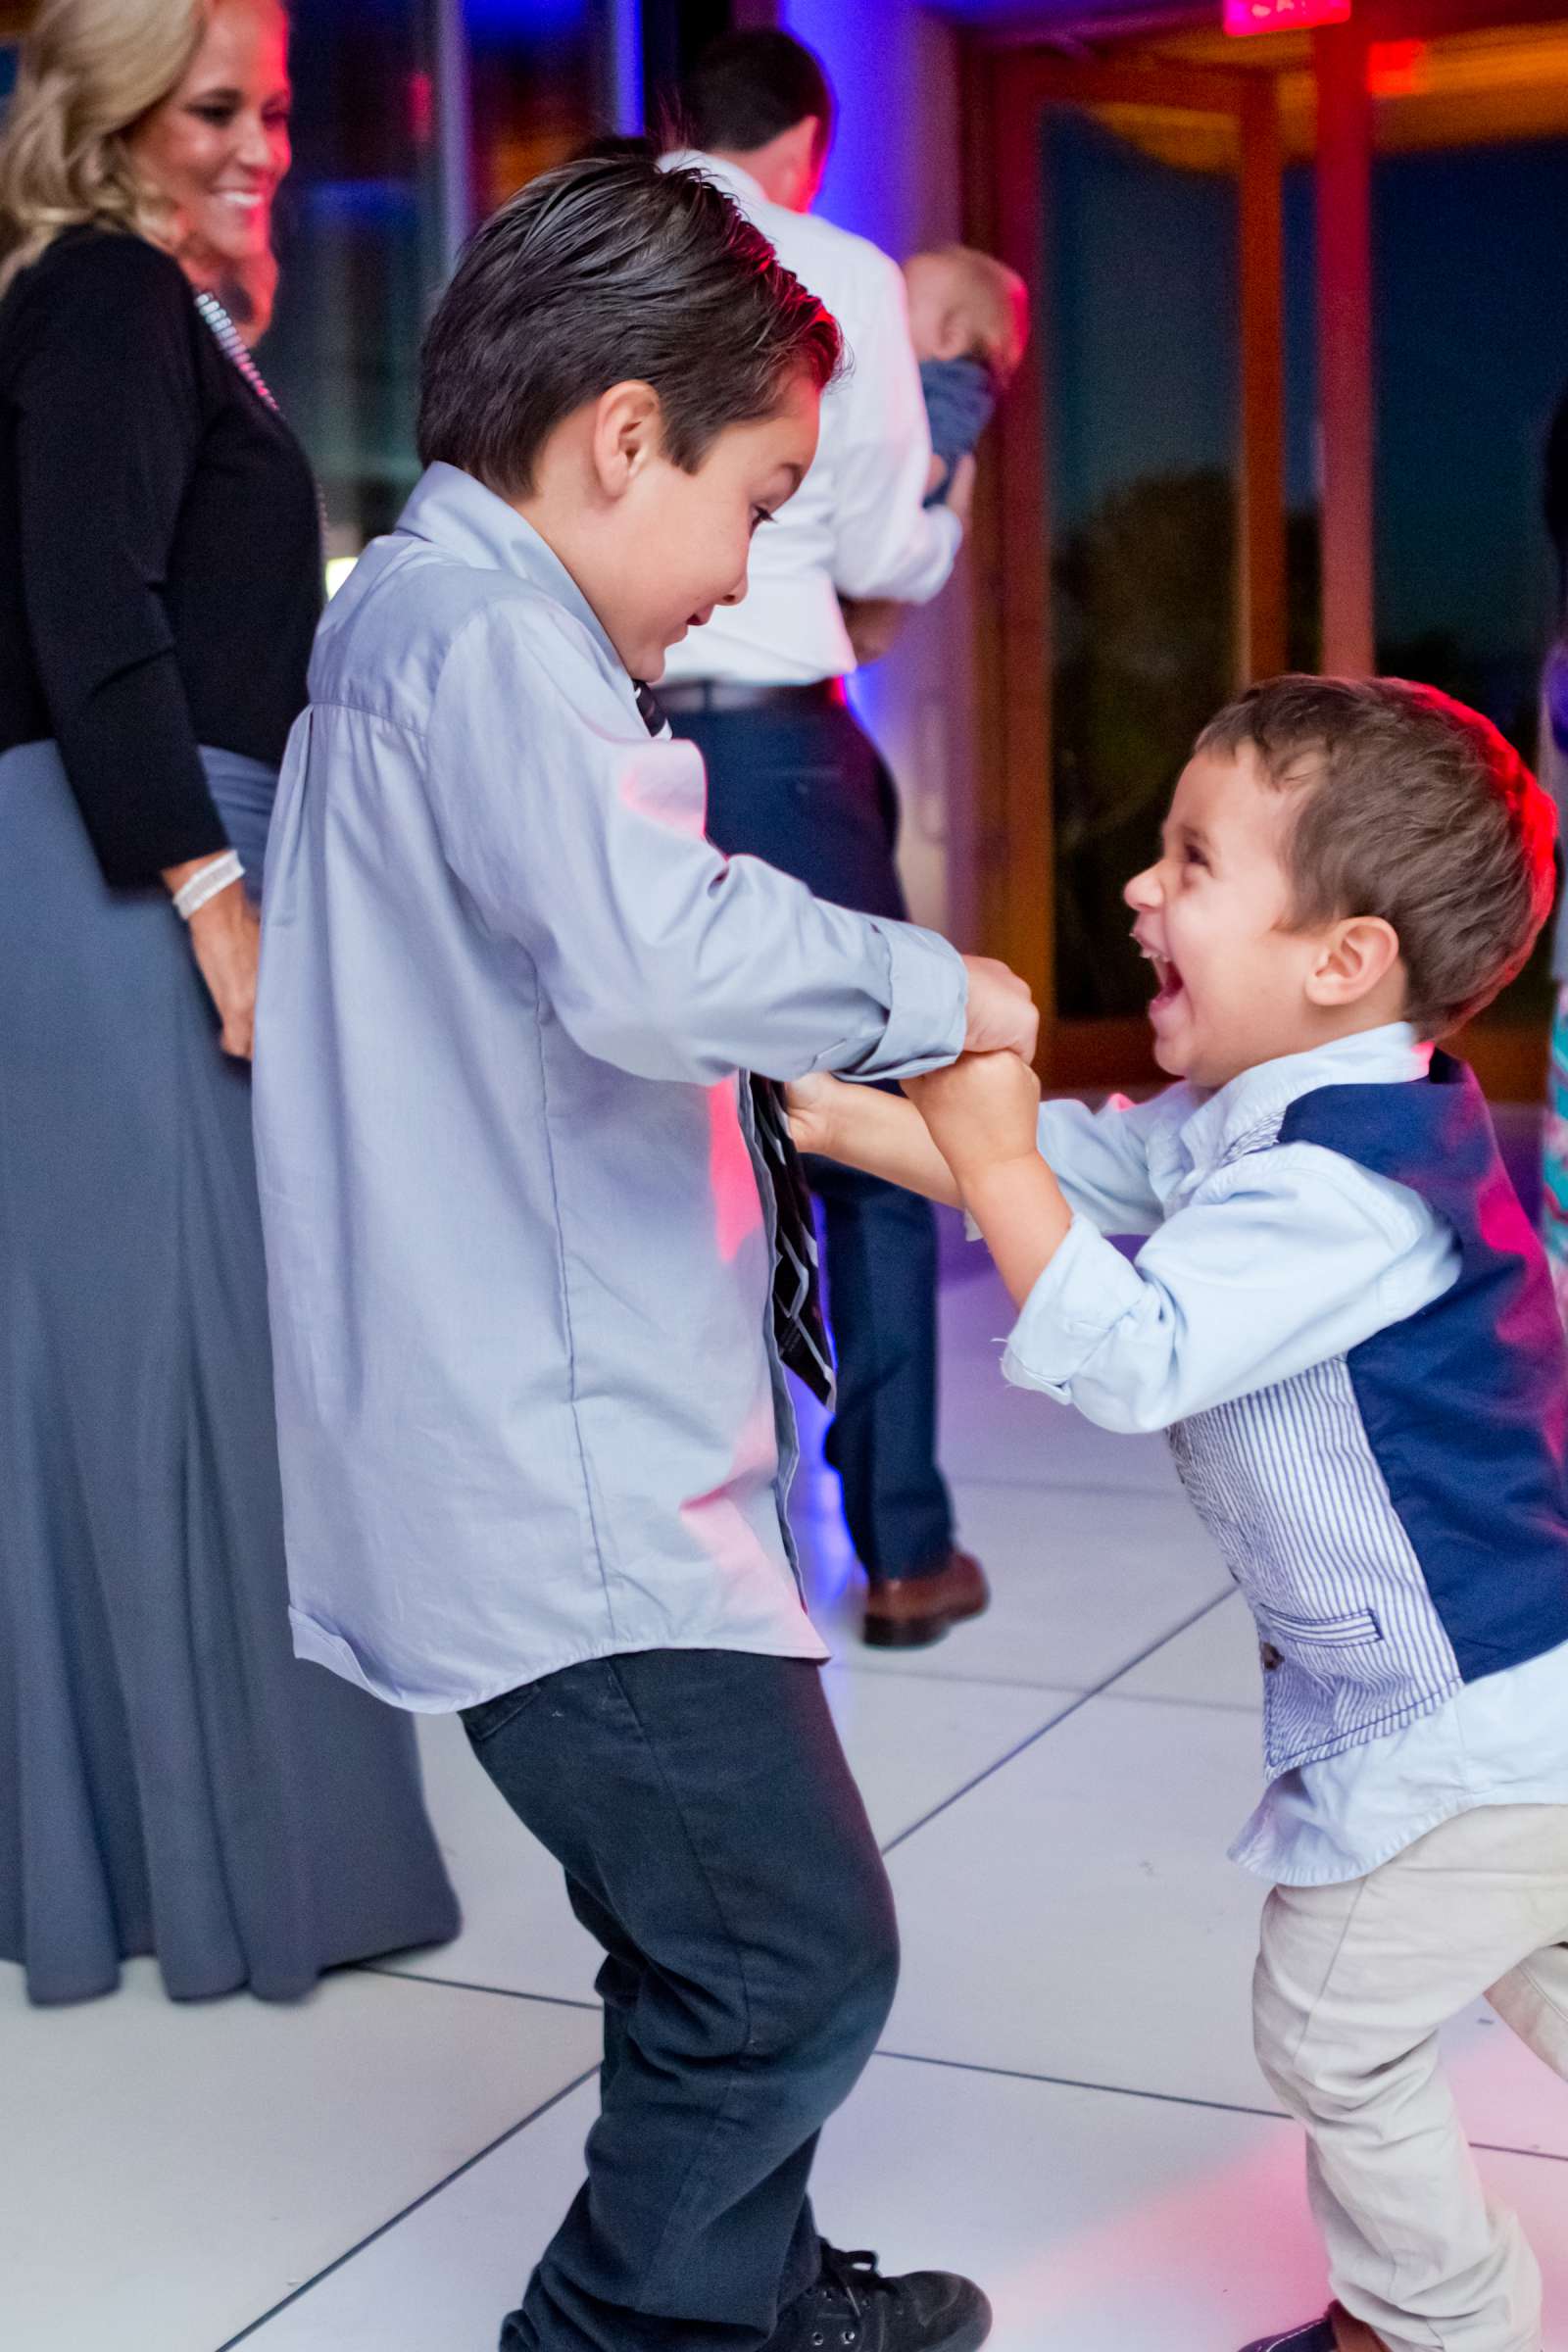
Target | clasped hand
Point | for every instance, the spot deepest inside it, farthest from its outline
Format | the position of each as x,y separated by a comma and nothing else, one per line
983,1111
1002,1017
969,1110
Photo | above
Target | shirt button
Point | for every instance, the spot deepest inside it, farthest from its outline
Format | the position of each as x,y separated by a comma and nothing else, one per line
1271,1657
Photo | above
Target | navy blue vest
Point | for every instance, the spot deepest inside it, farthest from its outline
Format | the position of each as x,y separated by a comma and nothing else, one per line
1465,1403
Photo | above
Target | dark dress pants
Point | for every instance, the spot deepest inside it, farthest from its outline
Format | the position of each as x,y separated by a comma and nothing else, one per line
808,792
717,1848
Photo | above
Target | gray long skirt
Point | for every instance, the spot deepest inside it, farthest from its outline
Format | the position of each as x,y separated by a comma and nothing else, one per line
173,1780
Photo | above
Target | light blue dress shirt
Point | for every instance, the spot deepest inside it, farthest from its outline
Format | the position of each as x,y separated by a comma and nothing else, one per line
529,1407
1261,1263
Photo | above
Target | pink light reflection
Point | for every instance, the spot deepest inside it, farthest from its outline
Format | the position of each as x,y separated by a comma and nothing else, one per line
737,1203
716,1520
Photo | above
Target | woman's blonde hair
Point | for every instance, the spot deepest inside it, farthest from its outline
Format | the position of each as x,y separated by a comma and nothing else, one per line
91,69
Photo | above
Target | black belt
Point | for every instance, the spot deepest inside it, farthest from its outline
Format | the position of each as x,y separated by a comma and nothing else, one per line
725,694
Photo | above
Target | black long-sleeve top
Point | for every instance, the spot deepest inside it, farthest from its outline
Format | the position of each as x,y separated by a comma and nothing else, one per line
159,547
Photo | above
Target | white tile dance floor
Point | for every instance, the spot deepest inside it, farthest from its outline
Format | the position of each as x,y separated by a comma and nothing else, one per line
1066,2103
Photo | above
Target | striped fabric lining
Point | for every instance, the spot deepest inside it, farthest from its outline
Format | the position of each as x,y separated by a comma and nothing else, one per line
1289,1487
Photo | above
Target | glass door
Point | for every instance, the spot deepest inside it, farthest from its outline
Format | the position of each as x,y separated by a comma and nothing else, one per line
1138,555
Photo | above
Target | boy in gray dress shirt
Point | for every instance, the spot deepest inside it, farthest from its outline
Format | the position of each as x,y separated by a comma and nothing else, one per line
535,1434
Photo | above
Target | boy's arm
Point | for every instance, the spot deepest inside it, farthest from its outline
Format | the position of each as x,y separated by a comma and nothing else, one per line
875,624
1286,1260
983,1116
862,1127
1100,1158
657,953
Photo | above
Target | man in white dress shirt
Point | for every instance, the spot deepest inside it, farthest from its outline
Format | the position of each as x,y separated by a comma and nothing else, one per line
794,779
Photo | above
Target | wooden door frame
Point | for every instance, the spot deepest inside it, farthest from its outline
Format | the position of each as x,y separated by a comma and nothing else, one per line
1007,84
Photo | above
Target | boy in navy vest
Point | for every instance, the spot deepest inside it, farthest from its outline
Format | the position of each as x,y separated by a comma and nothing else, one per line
1346,1326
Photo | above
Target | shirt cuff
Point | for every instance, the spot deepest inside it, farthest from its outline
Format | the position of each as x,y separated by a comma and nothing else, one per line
923,566
945,538
1079,1300
928,993
948,540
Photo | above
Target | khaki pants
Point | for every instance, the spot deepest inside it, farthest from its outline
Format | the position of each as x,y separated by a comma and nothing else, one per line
1353,1984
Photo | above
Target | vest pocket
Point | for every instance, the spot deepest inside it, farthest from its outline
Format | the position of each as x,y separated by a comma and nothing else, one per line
1327,1648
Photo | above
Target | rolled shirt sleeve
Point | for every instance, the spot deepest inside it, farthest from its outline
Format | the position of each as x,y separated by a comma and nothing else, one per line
658,953
925,1026
1284,1260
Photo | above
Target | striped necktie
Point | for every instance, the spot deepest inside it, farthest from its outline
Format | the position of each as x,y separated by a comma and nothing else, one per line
800,1327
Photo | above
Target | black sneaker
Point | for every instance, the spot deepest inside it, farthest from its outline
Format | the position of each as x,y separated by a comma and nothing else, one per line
1312,2335
852,2308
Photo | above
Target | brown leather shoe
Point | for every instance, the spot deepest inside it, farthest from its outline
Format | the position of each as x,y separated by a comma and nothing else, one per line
910,1612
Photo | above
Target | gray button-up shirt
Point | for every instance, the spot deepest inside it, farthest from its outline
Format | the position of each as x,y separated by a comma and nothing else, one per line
529,1407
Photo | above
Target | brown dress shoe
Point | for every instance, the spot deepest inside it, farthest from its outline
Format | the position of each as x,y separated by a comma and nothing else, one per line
910,1612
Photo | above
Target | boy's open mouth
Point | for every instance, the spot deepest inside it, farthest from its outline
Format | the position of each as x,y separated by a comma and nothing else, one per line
1167,979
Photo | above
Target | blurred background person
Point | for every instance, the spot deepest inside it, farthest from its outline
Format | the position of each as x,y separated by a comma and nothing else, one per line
793,778
175,1781
968,324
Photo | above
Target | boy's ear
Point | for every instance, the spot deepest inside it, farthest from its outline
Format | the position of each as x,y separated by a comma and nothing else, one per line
1358,954
627,433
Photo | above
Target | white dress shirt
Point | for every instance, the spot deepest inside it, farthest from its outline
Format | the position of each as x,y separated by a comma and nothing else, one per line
1259,1266
858,523
529,1406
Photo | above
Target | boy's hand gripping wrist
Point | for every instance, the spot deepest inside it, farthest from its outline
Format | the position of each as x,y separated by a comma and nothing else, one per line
813,1104
983,1112
1003,1018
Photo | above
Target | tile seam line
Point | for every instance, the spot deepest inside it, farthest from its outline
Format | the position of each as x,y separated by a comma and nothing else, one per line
1115,2091
1007,1682
1075,1707
382,2229
503,1992
1169,2098
962,1480
965,2066
968,1682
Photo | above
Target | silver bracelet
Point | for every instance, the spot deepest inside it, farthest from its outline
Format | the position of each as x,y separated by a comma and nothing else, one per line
193,894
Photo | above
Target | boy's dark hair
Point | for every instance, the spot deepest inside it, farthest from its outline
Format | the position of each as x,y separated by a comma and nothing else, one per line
748,87
602,272
1414,808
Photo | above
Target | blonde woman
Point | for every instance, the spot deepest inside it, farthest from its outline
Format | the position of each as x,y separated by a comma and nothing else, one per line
172,1780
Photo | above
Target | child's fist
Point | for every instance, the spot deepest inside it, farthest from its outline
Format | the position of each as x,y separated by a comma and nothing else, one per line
1002,1015
984,1108
810,1101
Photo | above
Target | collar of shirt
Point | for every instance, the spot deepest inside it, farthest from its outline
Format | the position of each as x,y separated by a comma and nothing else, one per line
733,178
1198,1130
454,513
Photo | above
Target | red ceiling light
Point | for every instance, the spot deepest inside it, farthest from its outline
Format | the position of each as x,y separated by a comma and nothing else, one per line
1242,17
1398,69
